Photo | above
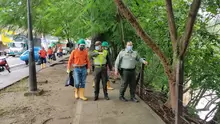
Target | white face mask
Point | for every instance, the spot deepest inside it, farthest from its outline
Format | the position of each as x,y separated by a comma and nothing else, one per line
129,48
97,48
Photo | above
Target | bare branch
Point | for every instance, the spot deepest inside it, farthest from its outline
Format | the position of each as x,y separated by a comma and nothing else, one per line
171,23
189,26
130,17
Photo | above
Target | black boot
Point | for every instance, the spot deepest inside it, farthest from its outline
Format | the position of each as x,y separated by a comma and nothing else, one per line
96,97
106,97
122,98
134,99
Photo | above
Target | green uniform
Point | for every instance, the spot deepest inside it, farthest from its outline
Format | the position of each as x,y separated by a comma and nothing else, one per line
126,62
100,62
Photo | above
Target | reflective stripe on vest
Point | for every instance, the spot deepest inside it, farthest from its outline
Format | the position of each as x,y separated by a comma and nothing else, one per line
100,59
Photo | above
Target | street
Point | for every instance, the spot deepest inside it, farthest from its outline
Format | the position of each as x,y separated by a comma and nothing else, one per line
14,61
18,71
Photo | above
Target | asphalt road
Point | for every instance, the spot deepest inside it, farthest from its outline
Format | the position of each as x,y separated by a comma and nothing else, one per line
13,61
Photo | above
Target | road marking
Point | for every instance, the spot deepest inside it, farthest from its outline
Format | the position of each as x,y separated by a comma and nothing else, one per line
79,106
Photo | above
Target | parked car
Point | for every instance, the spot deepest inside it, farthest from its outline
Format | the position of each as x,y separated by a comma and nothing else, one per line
25,56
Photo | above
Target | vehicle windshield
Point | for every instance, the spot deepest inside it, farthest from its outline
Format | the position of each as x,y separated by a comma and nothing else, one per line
17,45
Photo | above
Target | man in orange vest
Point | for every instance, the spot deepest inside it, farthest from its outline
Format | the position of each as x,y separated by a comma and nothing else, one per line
50,54
43,55
79,60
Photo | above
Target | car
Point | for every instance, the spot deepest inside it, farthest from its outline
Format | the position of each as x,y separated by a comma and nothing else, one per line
25,56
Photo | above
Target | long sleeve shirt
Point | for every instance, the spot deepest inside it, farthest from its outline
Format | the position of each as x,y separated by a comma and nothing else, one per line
127,60
78,58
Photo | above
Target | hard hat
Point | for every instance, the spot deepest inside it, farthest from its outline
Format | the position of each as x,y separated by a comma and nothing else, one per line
81,41
105,44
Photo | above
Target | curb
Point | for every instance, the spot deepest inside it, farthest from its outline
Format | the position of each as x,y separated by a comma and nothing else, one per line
157,117
28,75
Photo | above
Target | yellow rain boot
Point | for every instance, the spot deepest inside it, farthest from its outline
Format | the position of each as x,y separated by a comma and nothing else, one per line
108,86
81,94
76,93
93,84
44,65
41,65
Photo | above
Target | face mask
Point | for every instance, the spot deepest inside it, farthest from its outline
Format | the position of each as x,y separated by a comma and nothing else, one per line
106,48
81,47
129,48
97,48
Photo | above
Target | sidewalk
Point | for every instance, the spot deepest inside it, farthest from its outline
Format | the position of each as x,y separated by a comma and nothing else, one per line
7,79
112,111
58,106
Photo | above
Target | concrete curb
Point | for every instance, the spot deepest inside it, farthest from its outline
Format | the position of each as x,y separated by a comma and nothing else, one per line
25,77
151,111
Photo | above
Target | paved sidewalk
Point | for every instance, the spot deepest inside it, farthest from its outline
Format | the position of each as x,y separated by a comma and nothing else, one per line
112,111
7,79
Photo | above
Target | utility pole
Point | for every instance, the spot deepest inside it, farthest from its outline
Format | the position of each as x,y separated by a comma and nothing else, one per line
32,67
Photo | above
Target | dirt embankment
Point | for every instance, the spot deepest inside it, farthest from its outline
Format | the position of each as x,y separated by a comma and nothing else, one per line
55,106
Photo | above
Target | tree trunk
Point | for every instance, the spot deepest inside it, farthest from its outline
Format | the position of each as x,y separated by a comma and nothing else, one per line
121,28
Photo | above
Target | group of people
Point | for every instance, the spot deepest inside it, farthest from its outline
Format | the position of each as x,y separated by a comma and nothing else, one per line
125,64
43,54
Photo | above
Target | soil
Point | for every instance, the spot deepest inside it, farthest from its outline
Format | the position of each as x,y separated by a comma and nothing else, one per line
156,101
51,107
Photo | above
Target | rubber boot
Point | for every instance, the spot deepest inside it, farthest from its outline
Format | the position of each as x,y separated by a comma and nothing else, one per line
81,94
108,86
93,84
41,65
44,65
76,93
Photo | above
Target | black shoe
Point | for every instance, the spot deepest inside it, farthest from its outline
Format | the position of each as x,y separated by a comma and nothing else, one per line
106,97
96,98
134,99
123,99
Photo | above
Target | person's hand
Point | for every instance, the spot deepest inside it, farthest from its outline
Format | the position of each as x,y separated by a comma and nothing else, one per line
116,72
68,71
88,71
145,63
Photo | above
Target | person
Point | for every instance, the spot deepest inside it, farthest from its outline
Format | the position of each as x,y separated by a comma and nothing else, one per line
105,46
43,55
79,60
50,54
100,61
126,64
60,51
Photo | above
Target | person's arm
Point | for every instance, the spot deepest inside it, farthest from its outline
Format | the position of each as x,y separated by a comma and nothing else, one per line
93,54
117,61
87,61
109,63
71,59
138,58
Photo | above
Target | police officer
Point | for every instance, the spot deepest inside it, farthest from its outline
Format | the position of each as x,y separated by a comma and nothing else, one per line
100,61
126,64
105,46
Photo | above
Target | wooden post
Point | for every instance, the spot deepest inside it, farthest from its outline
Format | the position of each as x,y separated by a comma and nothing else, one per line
179,90
141,80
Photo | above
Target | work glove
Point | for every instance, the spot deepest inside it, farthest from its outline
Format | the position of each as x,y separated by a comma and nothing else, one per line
68,71
88,71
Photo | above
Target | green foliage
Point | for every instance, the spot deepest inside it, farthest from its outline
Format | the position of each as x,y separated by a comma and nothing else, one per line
80,19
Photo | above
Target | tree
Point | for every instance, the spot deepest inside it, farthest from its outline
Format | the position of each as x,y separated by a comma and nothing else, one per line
179,44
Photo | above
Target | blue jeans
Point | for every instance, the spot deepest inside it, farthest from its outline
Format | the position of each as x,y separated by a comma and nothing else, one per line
79,75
